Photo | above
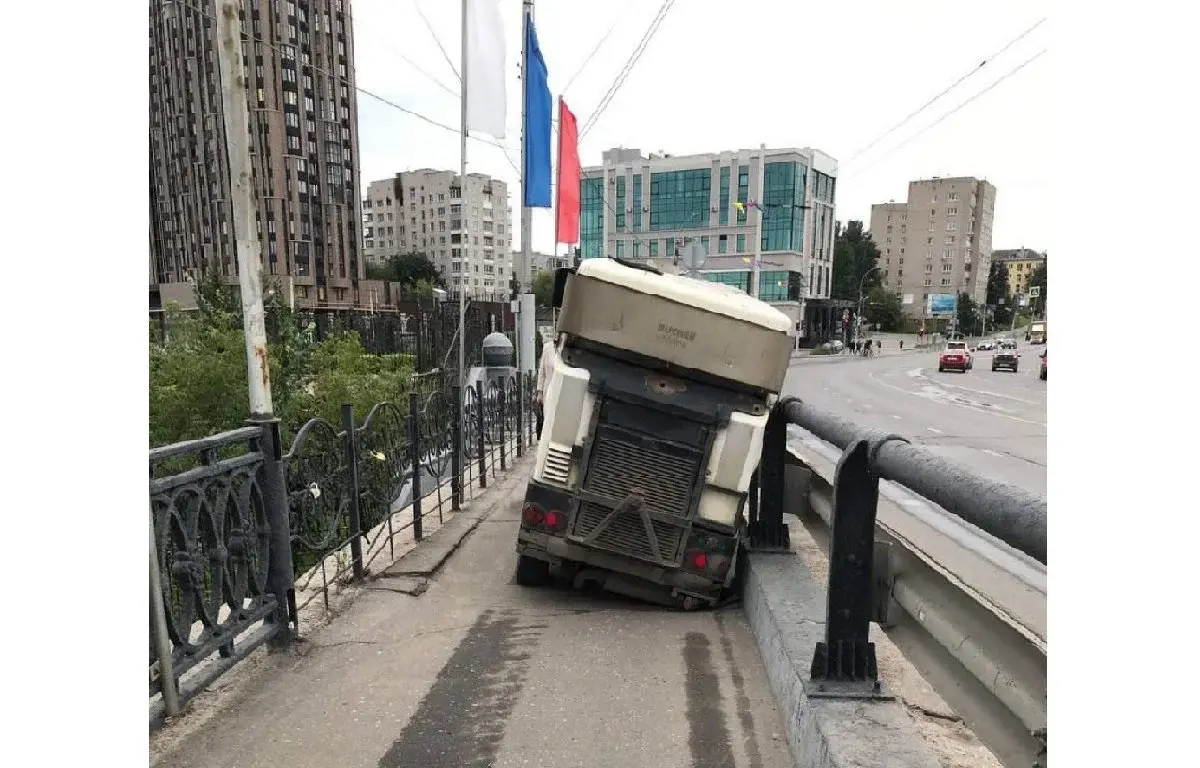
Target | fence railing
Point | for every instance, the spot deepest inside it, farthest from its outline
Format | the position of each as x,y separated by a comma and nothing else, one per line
245,536
950,564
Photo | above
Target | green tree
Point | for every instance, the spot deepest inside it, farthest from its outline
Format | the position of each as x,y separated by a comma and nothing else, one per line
543,288
854,256
998,297
409,270
884,308
967,319
1038,280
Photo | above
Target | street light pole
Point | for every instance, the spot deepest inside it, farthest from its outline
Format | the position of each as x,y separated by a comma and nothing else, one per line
862,282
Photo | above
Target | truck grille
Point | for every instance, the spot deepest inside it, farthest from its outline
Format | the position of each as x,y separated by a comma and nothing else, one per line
627,535
622,461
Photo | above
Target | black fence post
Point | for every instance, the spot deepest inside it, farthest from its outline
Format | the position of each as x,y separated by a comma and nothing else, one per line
414,456
456,449
767,530
356,531
280,573
503,414
845,662
481,424
519,409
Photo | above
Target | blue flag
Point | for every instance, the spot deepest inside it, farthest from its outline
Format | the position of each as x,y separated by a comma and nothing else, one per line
538,107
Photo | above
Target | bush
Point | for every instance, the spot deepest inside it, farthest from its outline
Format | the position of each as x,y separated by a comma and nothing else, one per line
198,376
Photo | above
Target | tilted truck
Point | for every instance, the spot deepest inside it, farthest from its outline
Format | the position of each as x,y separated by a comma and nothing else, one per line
654,419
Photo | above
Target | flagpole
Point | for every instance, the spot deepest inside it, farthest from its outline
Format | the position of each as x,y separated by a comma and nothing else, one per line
526,211
558,181
462,196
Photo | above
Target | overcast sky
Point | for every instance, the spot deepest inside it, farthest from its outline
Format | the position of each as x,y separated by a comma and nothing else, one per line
732,75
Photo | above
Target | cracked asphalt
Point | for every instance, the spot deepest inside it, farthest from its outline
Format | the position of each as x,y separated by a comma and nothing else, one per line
994,423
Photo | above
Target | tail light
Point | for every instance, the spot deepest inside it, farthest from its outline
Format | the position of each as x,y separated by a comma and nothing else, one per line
534,516
708,555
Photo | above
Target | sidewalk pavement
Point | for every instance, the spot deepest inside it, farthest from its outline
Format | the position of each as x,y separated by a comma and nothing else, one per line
472,670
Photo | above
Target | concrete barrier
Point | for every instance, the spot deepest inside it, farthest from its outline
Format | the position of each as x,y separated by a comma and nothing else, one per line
785,607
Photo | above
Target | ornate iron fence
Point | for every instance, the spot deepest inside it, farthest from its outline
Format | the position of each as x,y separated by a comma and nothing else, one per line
245,536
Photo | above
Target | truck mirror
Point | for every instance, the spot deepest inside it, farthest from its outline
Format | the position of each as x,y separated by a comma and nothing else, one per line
560,285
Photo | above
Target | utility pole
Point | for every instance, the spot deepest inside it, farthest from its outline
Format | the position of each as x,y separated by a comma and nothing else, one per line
462,201
236,113
755,267
526,211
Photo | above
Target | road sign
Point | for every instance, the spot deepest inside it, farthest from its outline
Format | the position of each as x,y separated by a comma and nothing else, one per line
942,305
1035,291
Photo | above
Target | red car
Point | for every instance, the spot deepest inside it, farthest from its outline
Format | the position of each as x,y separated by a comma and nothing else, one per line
955,357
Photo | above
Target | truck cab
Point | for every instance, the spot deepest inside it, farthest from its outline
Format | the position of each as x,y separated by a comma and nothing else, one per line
653,426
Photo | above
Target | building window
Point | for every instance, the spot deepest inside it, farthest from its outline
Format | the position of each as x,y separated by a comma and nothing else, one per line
783,194
620,212
723,244
620,249
743,191
724,192
739,279
653,248
741,244
779,286
591,223
680,199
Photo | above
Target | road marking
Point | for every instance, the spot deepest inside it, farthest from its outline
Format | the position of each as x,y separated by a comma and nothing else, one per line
986,392
934,430
915,372
894,416
991,452
930,393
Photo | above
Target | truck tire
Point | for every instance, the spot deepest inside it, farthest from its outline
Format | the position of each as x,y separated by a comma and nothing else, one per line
532,572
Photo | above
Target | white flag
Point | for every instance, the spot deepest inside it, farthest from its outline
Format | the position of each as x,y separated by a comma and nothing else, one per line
486,99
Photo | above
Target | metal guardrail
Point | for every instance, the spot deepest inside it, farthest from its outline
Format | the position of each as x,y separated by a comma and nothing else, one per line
237,526
950,564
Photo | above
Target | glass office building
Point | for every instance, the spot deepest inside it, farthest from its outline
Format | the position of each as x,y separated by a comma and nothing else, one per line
776,206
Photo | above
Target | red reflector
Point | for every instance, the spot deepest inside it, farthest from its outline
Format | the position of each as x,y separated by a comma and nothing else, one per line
554,518
532,514
699,560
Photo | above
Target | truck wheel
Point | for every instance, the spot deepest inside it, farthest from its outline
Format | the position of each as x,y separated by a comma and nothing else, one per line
532,572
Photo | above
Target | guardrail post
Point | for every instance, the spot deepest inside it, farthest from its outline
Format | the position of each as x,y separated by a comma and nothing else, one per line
414,454
356,530
503,414
519,408
281,575
158,625
845,664
481,423
768,533
456,449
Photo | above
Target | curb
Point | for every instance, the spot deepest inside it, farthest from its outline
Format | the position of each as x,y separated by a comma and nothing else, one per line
785,608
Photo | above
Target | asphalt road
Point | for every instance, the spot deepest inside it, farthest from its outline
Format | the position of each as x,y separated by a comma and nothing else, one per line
994,423
478,671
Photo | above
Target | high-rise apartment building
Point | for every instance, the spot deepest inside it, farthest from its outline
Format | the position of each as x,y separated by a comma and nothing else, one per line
299,59
775,206
938,241
467,235
538,262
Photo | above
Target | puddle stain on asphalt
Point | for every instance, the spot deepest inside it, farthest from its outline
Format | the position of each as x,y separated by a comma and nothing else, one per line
461,720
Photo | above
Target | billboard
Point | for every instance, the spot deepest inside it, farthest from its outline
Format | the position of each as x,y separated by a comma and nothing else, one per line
941,305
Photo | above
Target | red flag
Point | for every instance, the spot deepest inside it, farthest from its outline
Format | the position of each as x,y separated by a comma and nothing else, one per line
567,223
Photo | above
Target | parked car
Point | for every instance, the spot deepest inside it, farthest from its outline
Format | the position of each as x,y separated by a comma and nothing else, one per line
987,345
1005,358
955,357
1042,375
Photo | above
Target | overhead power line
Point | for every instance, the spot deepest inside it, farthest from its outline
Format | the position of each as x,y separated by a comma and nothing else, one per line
974,71
567,88
346,81
629,65
436,40
929,127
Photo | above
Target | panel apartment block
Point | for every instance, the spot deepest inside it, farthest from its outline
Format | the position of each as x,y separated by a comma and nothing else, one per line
938,241
467,235
299,58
